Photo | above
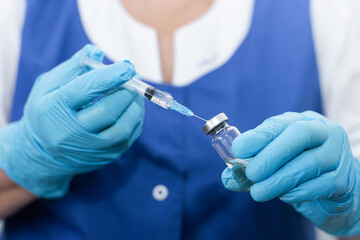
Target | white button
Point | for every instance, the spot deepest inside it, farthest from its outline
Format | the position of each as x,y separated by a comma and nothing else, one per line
160,192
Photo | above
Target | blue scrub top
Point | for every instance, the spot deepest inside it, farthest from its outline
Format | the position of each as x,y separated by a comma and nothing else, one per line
273,71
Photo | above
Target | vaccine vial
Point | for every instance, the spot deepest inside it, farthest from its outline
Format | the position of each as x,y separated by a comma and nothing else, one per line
223,136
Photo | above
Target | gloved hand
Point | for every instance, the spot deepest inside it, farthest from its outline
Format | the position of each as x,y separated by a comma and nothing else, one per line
306,160
58,137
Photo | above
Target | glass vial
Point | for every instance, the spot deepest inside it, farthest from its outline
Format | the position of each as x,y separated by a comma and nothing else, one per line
222,137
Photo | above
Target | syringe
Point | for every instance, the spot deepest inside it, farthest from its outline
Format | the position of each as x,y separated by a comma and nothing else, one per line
158,97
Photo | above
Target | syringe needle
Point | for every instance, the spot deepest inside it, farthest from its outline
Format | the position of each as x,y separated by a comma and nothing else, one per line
199,118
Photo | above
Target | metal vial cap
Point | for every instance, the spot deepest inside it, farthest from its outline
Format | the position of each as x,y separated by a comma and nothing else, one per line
214,122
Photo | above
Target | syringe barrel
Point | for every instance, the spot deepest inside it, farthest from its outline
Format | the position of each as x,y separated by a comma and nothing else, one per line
137,86
162,99
158,97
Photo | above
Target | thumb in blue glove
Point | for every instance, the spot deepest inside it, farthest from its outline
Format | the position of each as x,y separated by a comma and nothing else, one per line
63,132
306,160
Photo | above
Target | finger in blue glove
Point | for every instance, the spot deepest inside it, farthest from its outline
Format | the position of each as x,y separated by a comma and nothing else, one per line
63,132
306,160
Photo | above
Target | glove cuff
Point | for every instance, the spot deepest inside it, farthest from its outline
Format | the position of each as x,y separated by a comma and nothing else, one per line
21,166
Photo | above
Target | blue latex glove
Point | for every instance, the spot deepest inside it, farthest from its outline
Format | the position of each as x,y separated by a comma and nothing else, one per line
58,138
306,160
